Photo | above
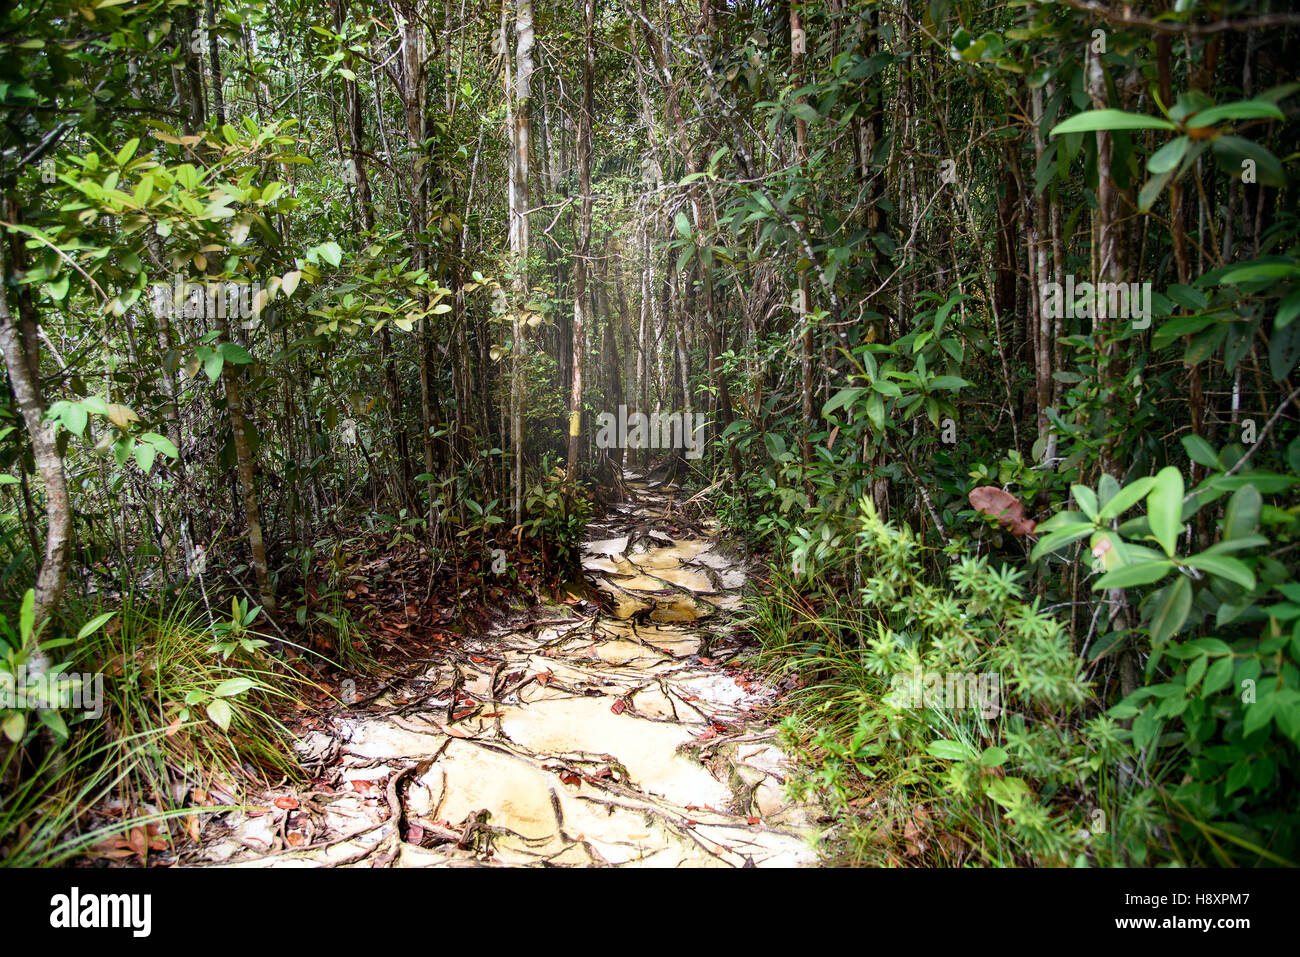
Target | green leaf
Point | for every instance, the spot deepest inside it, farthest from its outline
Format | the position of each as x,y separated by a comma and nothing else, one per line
1287,310
1241,110
1165,508
235,354
1202,452
1217,678
1169,609
144,456
15,725
1242,515
950,750
161,443
94,624
1221,565
27,615
1258,272
233,686
1231,152
1135,573
844,397
1087,500
213,364
805,113
1168,156
1284,351
74,418
1258,715
1126,498
1060,538
220,713
331,252
1152,189
1110,120
993,757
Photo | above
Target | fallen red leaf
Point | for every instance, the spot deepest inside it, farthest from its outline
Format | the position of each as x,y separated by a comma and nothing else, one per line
751,820
1002,505
618,707
286,803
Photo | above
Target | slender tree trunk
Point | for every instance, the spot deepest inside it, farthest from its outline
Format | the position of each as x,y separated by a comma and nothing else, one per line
798,45
22,364
580,268
247,486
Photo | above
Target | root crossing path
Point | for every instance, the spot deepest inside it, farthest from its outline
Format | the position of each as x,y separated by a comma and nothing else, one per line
610,731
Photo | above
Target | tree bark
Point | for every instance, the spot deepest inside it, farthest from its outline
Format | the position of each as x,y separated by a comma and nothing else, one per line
22,364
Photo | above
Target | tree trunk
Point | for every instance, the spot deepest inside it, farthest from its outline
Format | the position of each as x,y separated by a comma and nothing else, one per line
22,365
584,236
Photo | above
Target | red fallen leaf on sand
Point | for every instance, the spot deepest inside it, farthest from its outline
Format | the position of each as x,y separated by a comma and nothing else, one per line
296,839
286,803
751,820
492,714
477,659
691,697
708,661
1005,507
543,677
570,778
462,714
618,707
709,734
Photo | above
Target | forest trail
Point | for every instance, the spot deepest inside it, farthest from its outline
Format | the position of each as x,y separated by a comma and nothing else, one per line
589,737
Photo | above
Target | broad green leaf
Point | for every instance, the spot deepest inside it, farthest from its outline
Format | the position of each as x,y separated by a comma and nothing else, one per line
1169,609
993,757
1087,500
1136,573
144,456
234,353
332,253
220,713
161,443
1217,678
1168,156
1232,569
1165,508
844,397
1202,452
950,750
233,686
1060,538
1126,498
15,725
1258,272
1242,515
1242,110
1110,120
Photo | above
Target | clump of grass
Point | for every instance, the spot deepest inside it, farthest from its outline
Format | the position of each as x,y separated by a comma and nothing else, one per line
188,702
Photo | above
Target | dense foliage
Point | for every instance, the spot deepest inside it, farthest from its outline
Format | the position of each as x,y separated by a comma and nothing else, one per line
989,310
